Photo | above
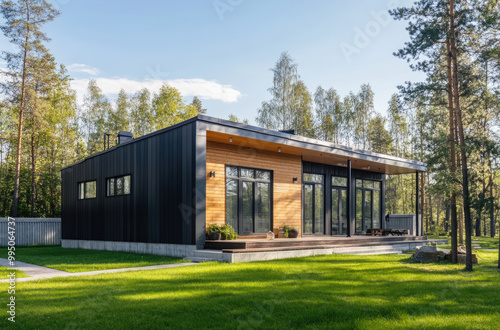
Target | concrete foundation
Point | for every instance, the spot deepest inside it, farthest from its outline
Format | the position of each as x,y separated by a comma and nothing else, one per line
173,250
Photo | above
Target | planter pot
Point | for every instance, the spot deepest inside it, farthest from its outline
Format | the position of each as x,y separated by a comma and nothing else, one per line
293,233
214,236
281,233
223,236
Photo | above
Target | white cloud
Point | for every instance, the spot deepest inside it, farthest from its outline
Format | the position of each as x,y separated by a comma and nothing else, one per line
204,89
83,68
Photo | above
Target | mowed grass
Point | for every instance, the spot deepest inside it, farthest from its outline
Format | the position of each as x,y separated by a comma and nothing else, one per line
335,291
487,242
79,260
4,271
484,242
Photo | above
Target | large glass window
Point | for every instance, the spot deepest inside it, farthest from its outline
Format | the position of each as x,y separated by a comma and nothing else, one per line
87,190
368,205
118,186
248,199
314,211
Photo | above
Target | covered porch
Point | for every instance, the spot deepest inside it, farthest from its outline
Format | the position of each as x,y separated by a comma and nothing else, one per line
260,180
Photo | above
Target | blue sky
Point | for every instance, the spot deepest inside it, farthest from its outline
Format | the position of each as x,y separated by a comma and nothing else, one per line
222,50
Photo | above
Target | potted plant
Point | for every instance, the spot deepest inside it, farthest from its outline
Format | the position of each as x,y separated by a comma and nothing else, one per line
228,232
289,232
286,230
214,232
293,233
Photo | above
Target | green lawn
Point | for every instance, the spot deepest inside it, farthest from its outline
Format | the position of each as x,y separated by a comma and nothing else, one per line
484,242
487,242
4,272
335,291
79,260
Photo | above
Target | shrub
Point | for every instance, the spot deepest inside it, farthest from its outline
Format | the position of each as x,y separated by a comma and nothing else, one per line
214,228
228,232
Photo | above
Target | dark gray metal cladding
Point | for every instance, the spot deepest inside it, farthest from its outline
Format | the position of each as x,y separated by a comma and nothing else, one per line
160,207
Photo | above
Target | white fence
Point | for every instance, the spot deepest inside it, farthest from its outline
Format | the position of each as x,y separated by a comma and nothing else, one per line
403,221
32,231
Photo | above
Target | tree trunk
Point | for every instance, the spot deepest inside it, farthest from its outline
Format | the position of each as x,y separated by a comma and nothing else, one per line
21,119
431,219
453,165
33,175
465,173
478,224
447,218
492,201
422,201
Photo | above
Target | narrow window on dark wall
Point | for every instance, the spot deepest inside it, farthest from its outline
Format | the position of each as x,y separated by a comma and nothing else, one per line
119,186
87,190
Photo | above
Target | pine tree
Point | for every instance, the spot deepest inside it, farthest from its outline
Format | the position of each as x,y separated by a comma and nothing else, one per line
23,22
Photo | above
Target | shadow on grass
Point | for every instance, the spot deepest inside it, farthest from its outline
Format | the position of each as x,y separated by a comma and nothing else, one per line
326,291
80,260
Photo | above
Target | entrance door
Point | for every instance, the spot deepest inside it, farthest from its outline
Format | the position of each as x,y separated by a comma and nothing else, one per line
339,205
368,205
248,200
339,211
313,206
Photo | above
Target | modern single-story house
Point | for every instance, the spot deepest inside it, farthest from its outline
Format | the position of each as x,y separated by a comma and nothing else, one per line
158,193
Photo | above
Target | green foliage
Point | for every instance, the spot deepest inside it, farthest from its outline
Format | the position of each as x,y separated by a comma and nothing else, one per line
236,120
379,139
227,231
291,103
213,228
286,230
198,105
169,109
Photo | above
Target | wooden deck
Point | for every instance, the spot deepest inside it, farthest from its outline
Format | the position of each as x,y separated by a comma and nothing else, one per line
306,243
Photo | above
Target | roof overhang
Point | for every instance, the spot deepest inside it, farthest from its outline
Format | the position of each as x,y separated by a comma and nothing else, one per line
247,136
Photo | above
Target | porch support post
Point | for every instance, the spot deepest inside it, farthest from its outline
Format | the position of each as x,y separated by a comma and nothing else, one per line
417,206
349,213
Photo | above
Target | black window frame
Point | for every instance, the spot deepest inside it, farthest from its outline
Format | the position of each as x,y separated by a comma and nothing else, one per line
254,180
80,198
314,184
340,190
115,186
377,186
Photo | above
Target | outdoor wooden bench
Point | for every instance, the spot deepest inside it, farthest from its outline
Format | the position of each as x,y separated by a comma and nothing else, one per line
386,232
375,232
399,232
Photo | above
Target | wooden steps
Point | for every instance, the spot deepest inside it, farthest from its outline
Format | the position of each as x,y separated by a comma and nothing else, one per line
306,243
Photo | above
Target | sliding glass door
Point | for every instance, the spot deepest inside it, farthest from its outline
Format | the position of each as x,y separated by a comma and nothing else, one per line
367,205
313,206
339,205
248,200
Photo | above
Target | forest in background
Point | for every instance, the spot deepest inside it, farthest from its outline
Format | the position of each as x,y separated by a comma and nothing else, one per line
43,128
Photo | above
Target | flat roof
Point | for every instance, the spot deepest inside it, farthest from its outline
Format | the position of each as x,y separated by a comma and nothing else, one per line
315,150
311,149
